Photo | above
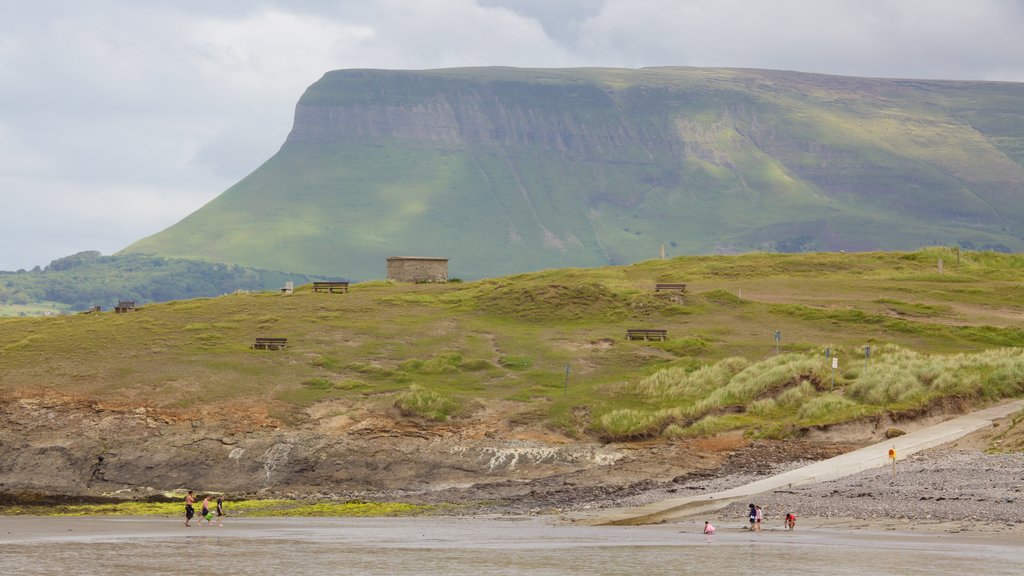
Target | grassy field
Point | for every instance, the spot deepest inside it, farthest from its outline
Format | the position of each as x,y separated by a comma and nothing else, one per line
549,346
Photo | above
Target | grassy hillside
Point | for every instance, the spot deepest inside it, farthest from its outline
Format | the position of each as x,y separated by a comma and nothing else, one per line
449,351
506,170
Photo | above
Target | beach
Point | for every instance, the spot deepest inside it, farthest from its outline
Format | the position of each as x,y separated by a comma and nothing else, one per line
474,545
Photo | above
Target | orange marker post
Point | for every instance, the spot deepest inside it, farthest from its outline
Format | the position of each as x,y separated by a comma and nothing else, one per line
892,456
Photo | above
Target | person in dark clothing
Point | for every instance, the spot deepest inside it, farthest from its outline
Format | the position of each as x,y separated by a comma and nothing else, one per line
190,511
220,511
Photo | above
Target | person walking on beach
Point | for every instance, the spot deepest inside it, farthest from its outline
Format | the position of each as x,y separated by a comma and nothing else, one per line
790,521
220,511
190,510
753,516
205,512
708,528
758,516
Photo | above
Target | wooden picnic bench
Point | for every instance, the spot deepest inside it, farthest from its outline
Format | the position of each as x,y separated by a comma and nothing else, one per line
330,287
125,306
669,286
646,334
93,309
262,343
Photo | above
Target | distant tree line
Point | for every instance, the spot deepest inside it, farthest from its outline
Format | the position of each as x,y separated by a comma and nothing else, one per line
89,279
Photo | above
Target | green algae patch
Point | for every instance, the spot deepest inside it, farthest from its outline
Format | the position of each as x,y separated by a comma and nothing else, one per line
353,508
239,508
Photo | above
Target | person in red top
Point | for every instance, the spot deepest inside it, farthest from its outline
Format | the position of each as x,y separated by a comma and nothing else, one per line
790,521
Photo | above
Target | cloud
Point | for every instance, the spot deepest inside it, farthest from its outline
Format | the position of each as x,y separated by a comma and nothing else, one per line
947,39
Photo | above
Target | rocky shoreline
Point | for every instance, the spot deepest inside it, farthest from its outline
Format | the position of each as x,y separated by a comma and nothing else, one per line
967,487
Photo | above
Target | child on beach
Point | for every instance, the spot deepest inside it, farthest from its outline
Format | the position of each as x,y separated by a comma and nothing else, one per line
758,516
205,513
753,516
790,521
220,511
708,528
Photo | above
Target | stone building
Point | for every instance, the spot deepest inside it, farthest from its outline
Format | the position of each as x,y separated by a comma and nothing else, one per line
417,269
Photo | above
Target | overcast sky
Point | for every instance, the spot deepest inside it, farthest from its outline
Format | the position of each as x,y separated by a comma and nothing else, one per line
120,117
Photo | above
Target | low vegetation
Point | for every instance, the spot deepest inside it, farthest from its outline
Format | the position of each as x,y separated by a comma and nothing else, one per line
782,394
548,349
244,508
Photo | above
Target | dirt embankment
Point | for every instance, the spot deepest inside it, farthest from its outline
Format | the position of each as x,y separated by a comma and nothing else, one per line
60,446
57,446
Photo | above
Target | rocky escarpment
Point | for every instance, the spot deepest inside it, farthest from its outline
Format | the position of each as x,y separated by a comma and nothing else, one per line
65,447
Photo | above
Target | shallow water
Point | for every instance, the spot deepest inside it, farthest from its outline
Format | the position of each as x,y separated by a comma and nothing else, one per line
476,546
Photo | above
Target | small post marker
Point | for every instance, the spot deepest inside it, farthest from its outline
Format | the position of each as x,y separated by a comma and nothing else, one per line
867,354
892,456
565,392
778,338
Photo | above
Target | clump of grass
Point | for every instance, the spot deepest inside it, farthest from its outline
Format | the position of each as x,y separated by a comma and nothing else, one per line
829,408
329,363
763,408
318,384
681,383
516,362
370,370
768,375
545,302
723,297
476,365
685,346
420,402
793,398
440,364
629,424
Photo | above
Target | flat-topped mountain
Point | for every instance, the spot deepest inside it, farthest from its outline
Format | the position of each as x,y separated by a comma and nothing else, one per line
505,170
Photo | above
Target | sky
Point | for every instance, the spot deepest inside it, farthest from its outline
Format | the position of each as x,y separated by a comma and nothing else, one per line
120,117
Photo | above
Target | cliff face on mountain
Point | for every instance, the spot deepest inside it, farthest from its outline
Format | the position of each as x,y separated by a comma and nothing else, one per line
504,170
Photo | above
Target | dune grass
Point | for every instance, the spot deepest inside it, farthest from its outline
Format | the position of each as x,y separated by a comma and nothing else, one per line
793,391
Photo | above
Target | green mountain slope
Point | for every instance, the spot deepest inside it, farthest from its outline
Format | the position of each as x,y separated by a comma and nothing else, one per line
505,170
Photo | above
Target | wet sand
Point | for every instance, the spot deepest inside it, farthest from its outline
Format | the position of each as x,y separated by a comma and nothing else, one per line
475,545
407,531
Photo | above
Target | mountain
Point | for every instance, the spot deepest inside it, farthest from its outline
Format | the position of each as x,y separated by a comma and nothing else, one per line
505,170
